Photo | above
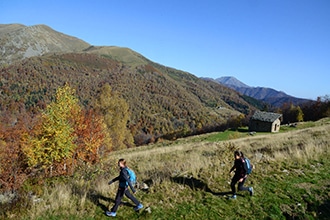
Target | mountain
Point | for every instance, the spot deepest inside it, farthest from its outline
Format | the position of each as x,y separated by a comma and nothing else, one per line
163,102
231,82
268,95
18,42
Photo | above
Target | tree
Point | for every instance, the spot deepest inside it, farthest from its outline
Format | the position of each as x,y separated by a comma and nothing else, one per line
116,113
90,136
299,114
52,142
12,160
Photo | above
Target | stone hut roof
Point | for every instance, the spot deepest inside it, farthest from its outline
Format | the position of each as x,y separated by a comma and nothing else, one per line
265,116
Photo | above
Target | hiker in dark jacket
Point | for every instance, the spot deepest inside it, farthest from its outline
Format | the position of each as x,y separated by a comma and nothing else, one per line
240,175
124,182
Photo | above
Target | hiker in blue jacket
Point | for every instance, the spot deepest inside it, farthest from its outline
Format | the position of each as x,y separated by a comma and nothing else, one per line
240,175
124,182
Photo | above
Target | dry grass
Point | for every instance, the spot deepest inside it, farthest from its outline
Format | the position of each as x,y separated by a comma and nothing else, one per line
205,164
58,198
302,145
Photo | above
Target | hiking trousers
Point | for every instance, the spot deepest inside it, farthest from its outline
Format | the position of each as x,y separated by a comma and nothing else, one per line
240,186
119,196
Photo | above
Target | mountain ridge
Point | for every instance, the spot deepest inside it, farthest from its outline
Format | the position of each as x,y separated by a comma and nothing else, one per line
268,95
19,41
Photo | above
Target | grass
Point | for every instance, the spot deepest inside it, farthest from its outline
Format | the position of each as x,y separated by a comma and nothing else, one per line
189,179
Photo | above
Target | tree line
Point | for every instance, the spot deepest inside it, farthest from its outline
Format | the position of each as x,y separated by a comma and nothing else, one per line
310,111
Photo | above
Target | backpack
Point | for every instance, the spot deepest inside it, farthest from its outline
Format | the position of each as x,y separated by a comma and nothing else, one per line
131,176
248,165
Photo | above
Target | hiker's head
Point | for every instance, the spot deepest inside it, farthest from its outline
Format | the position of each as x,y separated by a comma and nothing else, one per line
122,162
237,154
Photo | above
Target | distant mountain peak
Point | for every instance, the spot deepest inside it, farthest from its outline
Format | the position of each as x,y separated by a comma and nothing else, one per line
231,82
268,95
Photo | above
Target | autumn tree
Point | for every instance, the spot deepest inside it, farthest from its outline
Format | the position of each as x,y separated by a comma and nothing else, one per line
53,141
91,136
299,114
12,160
116,113
292,113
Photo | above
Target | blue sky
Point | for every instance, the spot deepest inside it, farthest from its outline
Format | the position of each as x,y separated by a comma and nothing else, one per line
281,44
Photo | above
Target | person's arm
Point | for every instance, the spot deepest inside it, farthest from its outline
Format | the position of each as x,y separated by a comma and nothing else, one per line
234,166
113,180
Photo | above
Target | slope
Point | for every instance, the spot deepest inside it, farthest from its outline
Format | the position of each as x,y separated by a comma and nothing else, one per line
189,179
164,102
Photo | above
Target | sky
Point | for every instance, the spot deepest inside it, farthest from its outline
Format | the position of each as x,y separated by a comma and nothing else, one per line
280,44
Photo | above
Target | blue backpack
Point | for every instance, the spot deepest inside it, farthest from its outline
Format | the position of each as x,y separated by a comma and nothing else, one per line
131,176
248,166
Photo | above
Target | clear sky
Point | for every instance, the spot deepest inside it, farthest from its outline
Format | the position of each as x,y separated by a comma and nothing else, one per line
281,44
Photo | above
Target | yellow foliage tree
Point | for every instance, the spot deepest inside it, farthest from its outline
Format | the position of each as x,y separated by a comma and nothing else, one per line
53,141
300,114
116,113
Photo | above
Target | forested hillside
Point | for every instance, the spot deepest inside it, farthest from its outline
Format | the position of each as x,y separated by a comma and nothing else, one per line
163,102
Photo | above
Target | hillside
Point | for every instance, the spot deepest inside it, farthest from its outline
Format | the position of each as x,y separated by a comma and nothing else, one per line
268,95
120,54
164,102
19,41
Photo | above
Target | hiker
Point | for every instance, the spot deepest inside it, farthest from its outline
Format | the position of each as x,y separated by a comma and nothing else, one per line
240,175
124,182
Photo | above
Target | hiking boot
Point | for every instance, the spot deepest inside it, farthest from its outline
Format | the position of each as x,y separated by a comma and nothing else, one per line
138,207
111,214
251,191
233,197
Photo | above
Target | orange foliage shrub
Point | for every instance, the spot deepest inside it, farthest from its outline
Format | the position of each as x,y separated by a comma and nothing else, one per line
12,160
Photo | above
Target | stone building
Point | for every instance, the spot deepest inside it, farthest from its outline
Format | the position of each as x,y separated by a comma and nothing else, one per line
265,122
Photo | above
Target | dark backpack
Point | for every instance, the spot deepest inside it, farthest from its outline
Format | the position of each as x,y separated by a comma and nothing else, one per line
131,176
248,165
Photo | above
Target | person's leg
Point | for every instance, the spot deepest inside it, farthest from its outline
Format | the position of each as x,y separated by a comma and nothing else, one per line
136,202
131,197
234,180
241,187
119,196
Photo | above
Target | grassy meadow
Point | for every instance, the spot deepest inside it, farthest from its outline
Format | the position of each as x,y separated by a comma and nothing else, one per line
189,179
